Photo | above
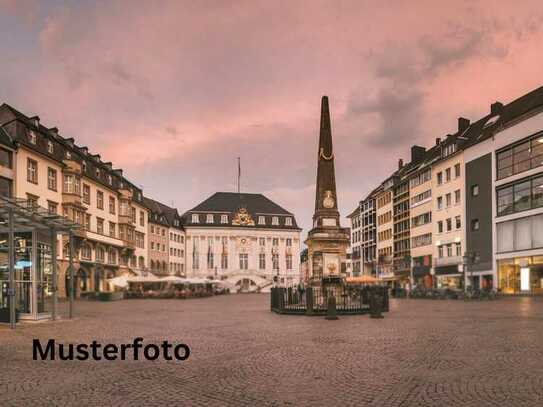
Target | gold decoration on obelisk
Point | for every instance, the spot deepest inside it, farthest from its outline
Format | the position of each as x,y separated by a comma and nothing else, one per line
325,157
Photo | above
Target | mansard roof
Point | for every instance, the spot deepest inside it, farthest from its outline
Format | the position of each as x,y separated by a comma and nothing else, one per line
162,214
9,117
5,139
229,203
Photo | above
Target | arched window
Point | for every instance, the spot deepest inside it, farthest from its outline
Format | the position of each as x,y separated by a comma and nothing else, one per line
86,252
112,256
152,264
141,262
100,254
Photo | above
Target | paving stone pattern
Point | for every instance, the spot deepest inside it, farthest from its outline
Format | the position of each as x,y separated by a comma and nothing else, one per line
423,353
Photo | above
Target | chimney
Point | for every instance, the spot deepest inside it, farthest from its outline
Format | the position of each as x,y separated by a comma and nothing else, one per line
417,153
400,164
496,108
463,124
438,141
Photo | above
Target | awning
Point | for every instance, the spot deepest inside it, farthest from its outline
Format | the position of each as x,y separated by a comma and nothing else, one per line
446,270
364,279
392,278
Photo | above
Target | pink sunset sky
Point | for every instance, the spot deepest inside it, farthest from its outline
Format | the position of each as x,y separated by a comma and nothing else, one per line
174,92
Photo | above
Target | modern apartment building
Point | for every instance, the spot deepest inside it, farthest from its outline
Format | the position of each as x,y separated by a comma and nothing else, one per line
475,212
384,229
447,192
504,197
368,219
356,241
420,186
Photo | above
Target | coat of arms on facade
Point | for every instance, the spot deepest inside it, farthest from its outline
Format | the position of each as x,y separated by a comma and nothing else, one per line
328,201
243,218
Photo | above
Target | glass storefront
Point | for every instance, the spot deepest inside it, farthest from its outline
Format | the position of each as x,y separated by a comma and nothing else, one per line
521,275
33,275
453,282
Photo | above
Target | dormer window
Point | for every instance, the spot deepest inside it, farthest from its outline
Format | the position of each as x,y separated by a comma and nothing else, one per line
209,218
448,150
97,172
288,221
195,218
275,221
224,218
50,149
32,137
109,179
68,155
84,166
261,220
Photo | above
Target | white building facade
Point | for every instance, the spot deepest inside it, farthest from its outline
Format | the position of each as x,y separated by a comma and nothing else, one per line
245,240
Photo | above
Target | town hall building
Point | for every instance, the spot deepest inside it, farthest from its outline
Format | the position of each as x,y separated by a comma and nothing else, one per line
245,240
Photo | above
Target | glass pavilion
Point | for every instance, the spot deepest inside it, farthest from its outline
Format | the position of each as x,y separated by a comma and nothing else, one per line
28,266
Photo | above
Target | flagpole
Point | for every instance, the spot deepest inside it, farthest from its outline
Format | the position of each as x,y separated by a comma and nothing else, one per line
239,174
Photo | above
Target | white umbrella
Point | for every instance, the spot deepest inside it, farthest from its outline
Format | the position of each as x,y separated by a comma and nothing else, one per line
197,281
174,279
216,282
120,282
149,278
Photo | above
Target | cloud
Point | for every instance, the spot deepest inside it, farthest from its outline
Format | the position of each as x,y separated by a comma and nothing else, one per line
174,94
26,10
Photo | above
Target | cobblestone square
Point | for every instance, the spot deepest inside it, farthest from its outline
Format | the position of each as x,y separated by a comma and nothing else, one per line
424,353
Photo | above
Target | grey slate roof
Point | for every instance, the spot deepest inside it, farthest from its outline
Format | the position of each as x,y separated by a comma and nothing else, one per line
165,215
230,202
5,139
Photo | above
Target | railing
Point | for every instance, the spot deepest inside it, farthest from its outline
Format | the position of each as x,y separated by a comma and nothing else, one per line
314,300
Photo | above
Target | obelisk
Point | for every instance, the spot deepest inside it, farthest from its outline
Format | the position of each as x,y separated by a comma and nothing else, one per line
327,241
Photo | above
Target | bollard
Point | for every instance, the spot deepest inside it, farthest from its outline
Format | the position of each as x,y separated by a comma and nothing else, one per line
375,305
309,301
384,299
331,313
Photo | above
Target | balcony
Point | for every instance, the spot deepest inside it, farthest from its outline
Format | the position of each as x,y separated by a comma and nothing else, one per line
71,166
125,194
126,220
448,261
